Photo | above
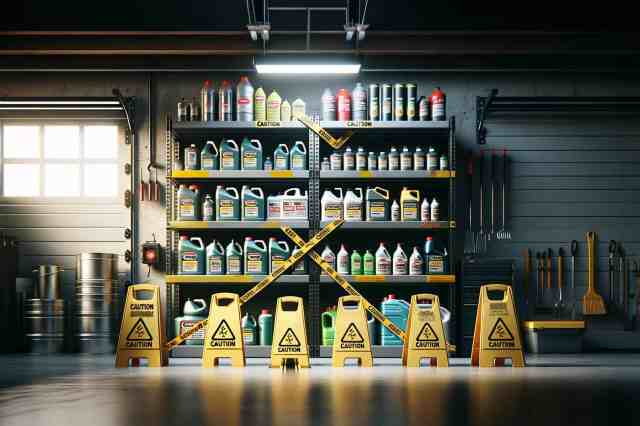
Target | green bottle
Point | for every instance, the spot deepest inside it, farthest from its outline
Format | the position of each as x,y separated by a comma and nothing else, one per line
356,263
369,263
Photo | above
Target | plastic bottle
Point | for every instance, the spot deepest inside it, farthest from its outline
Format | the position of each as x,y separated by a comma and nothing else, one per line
328,319
191,256
227,203
377,204
249,330
361,159
216,264
229,155
406,159
400,261
436,261
342,260
274,206
328,102
234,258
383,261
208,209
191,158
368,263
298,109
409,204
432,159
244,99
274,104
329,257
281,157
325,164
332,206
209,157
418,159
194,311
343,102
437,101
265,325
253,204
300,267
359,107
279,252
208,101
268,163
416,263
425,210
356,263
298,156
255,257
188,203
423,108
444,162
398,312
353,205
196,111
383,161
435,210
336,160
260,105
251,154
372,161
395,211
295,204
373,330
349,159
394,159
225,102
182,110
285,111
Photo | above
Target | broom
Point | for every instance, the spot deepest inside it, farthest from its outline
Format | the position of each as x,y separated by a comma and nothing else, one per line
592,302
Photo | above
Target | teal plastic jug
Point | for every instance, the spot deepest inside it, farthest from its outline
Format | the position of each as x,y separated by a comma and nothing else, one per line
255,257
435,258
298,156
229,155
279,252
253,204
251,154
188,204
249,330
209,157
234,258
398,312
216,262
265,326
191,257
193,312
227,203
377,204
281,157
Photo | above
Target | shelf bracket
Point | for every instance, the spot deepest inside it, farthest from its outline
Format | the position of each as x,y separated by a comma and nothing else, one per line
482,108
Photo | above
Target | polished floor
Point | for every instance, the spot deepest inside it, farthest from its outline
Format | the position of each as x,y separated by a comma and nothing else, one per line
79,390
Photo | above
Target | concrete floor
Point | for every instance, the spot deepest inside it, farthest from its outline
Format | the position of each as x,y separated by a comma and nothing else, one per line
80,390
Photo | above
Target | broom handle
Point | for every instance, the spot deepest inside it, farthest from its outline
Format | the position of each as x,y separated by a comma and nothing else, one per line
590,254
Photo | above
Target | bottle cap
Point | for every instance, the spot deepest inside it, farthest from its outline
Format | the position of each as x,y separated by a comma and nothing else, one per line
183,237
429,238
264,312
391,297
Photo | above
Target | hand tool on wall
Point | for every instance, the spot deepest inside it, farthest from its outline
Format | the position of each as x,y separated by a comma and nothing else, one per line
592,302
612,273
559,306
492,232
504,234
482,238
144,187
550,277
538,279
154,187
543,258
470,242
574,252
527,275
619,290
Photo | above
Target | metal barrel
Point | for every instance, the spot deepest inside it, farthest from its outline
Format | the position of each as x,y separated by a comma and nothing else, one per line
96,266
48,281
44,325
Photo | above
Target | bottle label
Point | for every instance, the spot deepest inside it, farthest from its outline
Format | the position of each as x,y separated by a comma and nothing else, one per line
260,108
297,162
192,160
249,336
228,161
418,162
277,261
432,162
354,212
383,163
436,264
415,266
281,162
254,263
330,259
377,210
361,162
251,209
207,164
424,213
187,209
383,266
207,211
332,211
349,162
356,265
244,105
405,162
226,208
437,108
435,213
215,265
274,210
394,162
189,261
409,210
187,324
250,160
400,266
234,265
372,163
369,265
294,209
343,265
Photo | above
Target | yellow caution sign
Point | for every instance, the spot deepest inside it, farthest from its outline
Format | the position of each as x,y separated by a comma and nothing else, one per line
315,128
351,333
496,337
304,249
223,335
290,334
141,331
425,333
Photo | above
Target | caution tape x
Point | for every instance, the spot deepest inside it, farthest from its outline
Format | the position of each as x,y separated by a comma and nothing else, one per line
326,136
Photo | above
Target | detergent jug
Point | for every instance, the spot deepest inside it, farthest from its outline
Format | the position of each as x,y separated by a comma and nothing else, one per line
265,326
356,263
209,157
285,111
298,156
249,329
436,260
229,155
398,312
274,105
383,261
331,205
328,327
416,263
329,257
400,261
188,204
255,257
425,210
294,204
368,263
191,158
395,211
377,204
191,257
409,204
252,204
300,267
215,259
274,206
298,108
227,203
194,311
353,205
342,261
279,252
234,258
251,154
281,157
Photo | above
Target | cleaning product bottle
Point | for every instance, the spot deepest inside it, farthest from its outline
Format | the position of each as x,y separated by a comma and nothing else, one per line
436,260
409,204
209,157
255,257
425,210
191,257
399,261
406,159
227,203
300,267
208,209
394,159
252,204
187,204
349,159
383,261
342,261
329,257
383,161
398,312
216,259
395,211
295,204
265,325
353,205
361,159
416,263
435,210
251,154
274,104
328,327
285,111
377,204
279,252
336,159
372,161
234,258
356,263
268,163
191,158
194,311
274,206
249,329
229,155
332,206
281,157
369,263
433,162
244,99
260,105
298,156
298,108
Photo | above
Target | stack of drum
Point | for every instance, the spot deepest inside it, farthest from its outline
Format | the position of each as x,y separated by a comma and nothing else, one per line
96,302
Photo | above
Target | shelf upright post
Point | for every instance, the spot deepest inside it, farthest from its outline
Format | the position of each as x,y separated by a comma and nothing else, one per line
314,227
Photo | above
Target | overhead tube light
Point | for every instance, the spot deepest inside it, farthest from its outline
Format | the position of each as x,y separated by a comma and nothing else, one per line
283,64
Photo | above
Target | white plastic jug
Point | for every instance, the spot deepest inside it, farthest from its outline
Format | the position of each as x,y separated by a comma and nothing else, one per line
294,204
383,261
400,261
353,205
332,206
274,206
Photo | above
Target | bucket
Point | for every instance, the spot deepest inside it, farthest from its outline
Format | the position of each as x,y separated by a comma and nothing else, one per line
44,325
252,204
251,154
229,155
227,203
48,286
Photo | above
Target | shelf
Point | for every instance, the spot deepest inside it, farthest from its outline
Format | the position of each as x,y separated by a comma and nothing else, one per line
377,350
237,224
193,351
394,225
233,279
199,126
387,125
394,279
386,174
240,174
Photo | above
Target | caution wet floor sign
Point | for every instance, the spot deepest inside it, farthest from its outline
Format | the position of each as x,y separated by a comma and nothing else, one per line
425,333
223,336
289,334
352,333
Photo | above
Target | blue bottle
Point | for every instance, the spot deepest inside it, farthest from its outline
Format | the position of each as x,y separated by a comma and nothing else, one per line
398,312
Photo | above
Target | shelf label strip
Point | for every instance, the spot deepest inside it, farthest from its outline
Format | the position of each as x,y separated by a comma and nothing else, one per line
326,136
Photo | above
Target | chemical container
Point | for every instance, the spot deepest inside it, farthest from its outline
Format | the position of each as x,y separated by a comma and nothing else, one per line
255,257
208,209
300,267
274,206
377,204
435,210
336,160
191,257
372,161
44,323
234,258
353,205
373,330
216,259
281,157
329,256
400,261
227,203
268,163
285,111
406,159
436,259
394,159
425,210
260,105
349,159
383,261
253,207
188,204
395,211
244,99
342,261
294,204
368,263
249,330
298,108
419,159
265,327
279,252
383,161
229,155
409,204
209,157
416,263
251,154
356,263
398,312
328,327
361,159
331,205
433,162
298,156
194,311
191,158
274,105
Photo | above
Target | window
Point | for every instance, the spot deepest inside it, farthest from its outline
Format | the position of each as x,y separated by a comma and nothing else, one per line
55,160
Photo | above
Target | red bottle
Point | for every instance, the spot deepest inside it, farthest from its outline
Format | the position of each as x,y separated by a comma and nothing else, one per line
343,100
437,101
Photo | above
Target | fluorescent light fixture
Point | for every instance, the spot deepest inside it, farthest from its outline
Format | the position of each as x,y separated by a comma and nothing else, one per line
298,68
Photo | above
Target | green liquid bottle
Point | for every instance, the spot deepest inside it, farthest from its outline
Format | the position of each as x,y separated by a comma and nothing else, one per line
369,263
356,263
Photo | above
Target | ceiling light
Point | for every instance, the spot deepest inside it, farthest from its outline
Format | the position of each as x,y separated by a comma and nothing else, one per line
293,68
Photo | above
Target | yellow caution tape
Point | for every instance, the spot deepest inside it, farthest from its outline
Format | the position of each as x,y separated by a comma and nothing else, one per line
304,249
315,128
346,286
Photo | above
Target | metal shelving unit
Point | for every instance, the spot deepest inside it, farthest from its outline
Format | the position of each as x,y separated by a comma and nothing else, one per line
395,279
224,175
386,174
233,279
395,225
236,224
